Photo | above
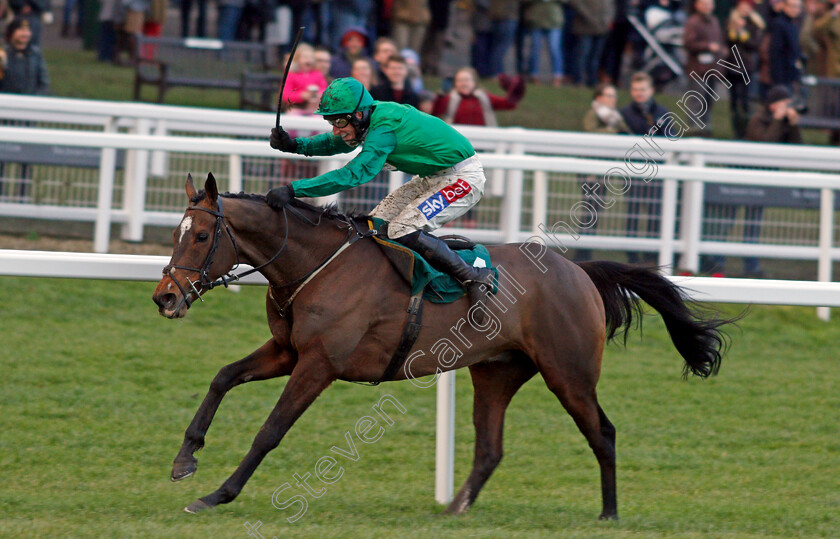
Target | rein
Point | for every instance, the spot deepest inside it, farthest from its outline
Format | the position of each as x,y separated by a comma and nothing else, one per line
354,233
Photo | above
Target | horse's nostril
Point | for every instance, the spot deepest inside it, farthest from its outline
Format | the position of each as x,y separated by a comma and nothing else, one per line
165,300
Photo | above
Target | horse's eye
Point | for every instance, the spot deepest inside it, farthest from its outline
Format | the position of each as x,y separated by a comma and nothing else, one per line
202,236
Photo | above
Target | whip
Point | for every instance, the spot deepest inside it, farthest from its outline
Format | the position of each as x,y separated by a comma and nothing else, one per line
286,74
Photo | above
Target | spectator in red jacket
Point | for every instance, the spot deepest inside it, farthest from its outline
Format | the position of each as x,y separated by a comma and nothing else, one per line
353,44
468,104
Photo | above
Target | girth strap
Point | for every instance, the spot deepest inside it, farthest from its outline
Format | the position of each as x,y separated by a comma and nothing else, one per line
410,334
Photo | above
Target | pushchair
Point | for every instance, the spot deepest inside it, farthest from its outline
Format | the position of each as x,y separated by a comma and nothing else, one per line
662,56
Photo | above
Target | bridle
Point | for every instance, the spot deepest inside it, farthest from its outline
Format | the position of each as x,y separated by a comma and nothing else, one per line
204,280
205,283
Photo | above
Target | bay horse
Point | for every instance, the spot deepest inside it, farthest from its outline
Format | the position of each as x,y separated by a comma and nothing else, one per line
349,309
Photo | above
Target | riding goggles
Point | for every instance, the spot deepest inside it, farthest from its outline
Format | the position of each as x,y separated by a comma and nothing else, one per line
340,120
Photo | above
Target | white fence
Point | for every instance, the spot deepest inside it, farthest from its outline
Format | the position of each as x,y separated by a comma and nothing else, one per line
121,267
519,215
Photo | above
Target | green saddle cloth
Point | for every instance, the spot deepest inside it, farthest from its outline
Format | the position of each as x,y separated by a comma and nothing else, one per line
439,287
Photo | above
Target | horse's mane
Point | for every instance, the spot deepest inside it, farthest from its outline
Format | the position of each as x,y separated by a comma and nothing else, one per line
329,211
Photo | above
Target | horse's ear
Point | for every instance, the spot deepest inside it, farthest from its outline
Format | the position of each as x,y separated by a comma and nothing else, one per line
210,188
191,193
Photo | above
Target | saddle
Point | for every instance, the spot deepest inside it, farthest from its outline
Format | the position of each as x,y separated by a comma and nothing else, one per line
439,287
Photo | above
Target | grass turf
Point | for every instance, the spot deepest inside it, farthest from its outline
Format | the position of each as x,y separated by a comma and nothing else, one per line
98,390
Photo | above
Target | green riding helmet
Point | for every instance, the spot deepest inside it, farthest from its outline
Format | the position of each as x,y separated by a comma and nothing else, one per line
344,96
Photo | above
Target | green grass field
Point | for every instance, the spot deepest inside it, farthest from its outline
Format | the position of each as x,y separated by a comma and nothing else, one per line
98,389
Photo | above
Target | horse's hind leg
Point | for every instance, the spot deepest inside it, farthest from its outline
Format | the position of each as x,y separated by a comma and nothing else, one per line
577,394
494,382
269,361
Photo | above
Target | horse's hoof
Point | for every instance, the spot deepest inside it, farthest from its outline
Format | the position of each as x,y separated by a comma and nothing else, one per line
611,516
182,470
197,506
456,509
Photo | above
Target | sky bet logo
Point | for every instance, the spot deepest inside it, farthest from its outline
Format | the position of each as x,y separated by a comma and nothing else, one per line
443,198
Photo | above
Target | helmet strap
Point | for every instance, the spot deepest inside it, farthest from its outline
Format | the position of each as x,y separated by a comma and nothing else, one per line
359,102
361,126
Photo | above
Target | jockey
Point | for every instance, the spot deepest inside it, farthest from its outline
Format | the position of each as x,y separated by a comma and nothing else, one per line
448,177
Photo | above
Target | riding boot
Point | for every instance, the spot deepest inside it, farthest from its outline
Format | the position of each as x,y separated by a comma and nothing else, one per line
438,254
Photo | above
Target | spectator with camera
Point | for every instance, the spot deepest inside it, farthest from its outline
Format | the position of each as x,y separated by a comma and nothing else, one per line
775,122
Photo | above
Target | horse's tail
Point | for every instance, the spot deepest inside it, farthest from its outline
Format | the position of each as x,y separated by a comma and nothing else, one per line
695,332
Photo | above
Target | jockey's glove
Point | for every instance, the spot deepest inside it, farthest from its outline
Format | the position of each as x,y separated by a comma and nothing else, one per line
280,196
280,140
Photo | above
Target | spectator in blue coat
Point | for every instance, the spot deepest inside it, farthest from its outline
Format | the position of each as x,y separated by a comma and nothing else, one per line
785,52
22,71
642,114
229,15
22,66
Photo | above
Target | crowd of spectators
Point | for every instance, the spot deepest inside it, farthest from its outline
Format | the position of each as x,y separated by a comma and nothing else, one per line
558,42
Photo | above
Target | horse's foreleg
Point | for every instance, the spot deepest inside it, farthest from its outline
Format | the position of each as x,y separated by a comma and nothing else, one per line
305,384
495,383
269,361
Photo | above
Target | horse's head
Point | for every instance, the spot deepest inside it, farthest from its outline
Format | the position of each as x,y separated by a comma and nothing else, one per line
203,251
